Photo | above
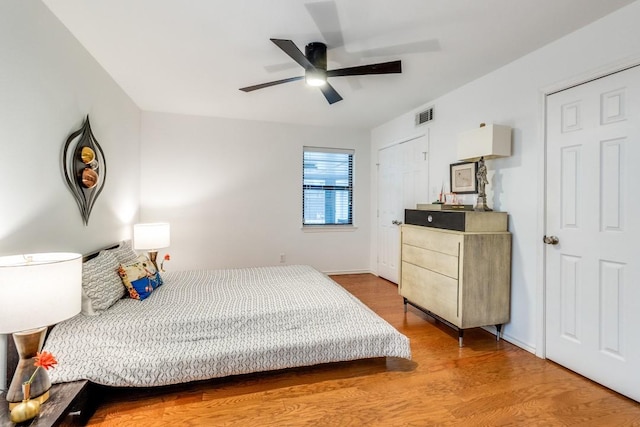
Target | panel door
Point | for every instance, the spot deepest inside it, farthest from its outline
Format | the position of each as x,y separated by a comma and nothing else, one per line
402,183
593,208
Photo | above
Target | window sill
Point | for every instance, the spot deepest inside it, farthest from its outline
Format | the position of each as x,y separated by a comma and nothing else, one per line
327,228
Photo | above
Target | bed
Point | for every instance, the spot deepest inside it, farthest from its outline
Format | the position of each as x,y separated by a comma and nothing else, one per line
206,324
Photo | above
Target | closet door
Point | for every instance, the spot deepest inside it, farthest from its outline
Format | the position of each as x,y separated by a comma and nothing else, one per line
402,183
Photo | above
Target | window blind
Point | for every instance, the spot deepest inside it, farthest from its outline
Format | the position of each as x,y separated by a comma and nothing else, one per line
327,186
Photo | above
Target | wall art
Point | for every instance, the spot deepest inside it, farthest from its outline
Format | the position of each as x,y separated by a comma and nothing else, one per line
463,178
85,169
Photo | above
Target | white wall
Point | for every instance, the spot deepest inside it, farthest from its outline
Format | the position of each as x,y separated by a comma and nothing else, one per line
231,190
48,83
512,96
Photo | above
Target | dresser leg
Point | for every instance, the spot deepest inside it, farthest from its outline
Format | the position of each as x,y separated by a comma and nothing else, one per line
498,330
460,336
405,304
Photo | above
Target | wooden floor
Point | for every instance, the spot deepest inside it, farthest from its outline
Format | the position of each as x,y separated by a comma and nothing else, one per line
484,383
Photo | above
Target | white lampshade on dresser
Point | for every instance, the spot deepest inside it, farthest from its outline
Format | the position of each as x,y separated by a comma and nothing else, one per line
36,291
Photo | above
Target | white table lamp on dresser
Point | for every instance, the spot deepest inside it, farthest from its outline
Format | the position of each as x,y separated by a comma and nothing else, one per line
478,145
36,291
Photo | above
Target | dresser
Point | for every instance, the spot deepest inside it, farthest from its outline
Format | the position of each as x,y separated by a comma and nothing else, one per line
456,267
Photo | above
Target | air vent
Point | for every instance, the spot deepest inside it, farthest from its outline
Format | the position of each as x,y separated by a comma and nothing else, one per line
424,117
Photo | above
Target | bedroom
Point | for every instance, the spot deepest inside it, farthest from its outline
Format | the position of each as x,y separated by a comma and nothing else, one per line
51,82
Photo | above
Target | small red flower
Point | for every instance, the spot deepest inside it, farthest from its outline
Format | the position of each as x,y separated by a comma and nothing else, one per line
167,257
45,360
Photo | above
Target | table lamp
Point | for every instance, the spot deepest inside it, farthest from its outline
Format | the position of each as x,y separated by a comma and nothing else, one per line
151,237
36,291
478,145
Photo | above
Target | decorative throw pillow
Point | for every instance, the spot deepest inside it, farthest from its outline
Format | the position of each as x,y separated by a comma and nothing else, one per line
140,277
124,252
101,285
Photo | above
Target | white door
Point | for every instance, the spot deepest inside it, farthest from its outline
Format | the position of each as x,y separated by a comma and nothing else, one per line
593,208
402,183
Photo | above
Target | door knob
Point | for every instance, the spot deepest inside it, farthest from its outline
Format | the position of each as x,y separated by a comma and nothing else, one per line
551,240
396,222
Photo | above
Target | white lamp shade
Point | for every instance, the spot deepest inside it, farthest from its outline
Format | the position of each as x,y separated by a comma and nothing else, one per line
39,290
151,236
490,142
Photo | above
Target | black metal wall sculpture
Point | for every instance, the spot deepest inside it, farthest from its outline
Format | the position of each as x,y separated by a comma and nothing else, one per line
85,169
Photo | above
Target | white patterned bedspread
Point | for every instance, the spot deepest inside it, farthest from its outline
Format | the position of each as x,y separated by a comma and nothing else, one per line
206,324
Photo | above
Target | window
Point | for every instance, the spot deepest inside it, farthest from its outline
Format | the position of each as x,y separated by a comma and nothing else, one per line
327,186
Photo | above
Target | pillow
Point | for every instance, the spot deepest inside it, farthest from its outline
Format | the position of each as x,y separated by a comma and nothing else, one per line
101,285
140,277
124,253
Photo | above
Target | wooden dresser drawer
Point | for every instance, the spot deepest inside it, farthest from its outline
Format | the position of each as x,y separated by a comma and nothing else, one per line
457,220
435,240
431,260
430,290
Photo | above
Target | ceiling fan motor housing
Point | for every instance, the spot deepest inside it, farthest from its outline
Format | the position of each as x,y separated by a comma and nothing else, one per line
316,53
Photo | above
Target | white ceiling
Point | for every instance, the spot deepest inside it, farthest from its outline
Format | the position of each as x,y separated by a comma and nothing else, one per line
192,56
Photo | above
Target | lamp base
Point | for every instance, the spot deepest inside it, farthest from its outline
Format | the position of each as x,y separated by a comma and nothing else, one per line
481,204
28,344
153,256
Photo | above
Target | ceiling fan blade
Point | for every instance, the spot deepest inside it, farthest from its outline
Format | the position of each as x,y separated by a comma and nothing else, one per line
330,93
273,83
382,68
325,15
292,50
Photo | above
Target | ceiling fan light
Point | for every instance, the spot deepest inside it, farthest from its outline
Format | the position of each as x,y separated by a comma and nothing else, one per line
316,82
315,77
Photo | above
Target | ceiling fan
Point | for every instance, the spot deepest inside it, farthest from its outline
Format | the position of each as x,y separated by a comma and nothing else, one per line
314,62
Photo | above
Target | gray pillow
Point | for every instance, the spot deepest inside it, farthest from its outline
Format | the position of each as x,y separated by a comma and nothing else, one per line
124,253
101,284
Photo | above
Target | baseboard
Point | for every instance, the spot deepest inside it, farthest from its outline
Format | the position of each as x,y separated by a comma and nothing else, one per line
341,272
510,339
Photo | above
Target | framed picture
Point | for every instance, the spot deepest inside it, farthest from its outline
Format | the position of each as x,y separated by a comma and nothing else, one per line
463,178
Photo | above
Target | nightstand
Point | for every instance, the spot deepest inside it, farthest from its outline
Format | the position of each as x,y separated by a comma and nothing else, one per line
66,404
